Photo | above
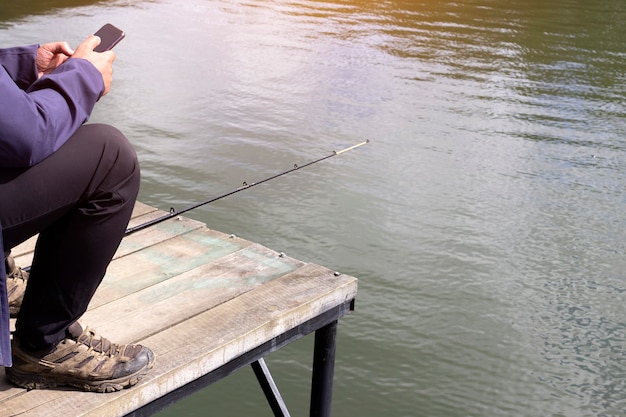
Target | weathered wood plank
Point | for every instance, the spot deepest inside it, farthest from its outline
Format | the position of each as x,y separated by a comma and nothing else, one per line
141,208
188,294
204,342
162,261
27,247
169,229
157,233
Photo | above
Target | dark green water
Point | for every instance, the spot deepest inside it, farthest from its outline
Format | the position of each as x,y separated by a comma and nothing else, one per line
485,220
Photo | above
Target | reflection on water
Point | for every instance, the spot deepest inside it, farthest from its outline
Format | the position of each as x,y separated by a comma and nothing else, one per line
17,10
485,219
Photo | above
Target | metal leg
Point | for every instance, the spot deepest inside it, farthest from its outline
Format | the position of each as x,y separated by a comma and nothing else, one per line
323,370
270,389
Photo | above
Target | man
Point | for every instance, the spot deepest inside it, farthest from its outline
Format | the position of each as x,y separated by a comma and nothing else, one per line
75,185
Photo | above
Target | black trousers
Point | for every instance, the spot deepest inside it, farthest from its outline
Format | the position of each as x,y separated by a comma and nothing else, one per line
79,200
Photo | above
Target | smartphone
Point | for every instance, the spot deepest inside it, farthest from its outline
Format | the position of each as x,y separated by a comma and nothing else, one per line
109,37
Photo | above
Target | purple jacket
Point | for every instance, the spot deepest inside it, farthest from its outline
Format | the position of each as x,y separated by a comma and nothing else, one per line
37,116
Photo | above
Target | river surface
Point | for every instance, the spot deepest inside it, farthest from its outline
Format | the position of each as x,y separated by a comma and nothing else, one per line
485,220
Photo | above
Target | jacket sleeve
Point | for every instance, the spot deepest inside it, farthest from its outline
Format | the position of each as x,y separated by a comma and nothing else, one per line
19,63
37,116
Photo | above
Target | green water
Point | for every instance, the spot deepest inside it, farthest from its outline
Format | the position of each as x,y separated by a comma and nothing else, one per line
485,220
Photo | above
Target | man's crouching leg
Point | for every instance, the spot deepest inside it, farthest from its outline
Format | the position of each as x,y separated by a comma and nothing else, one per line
97,174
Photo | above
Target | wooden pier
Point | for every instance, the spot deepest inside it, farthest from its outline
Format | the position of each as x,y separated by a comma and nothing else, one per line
207,304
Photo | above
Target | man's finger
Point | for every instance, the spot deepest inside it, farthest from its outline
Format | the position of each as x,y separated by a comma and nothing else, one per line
92,41
65,49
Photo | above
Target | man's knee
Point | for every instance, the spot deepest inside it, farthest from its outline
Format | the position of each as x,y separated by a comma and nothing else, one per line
112,140
118,157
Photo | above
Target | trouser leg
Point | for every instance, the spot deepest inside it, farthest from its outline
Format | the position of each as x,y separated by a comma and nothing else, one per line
79,200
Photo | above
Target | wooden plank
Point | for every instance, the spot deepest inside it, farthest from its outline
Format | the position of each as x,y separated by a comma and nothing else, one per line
24,248
141,208
163,261
202,343
23,253
188,294
27,247
157,233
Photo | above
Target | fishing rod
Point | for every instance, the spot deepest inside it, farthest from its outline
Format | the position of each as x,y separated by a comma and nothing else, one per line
173,213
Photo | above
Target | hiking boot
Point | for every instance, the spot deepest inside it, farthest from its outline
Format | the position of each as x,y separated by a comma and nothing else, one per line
83,360
16,285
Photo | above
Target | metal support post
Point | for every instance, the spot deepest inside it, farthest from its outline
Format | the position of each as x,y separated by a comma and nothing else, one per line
323,370
270,389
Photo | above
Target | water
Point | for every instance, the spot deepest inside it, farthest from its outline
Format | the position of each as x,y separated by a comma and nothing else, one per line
485,219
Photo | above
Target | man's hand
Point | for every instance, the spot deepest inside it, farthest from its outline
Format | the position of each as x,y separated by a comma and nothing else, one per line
50,56
103,61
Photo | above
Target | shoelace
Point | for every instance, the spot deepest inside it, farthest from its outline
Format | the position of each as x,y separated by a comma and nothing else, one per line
100,344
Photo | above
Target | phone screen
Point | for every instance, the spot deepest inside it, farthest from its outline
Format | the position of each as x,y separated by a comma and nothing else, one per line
109,37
